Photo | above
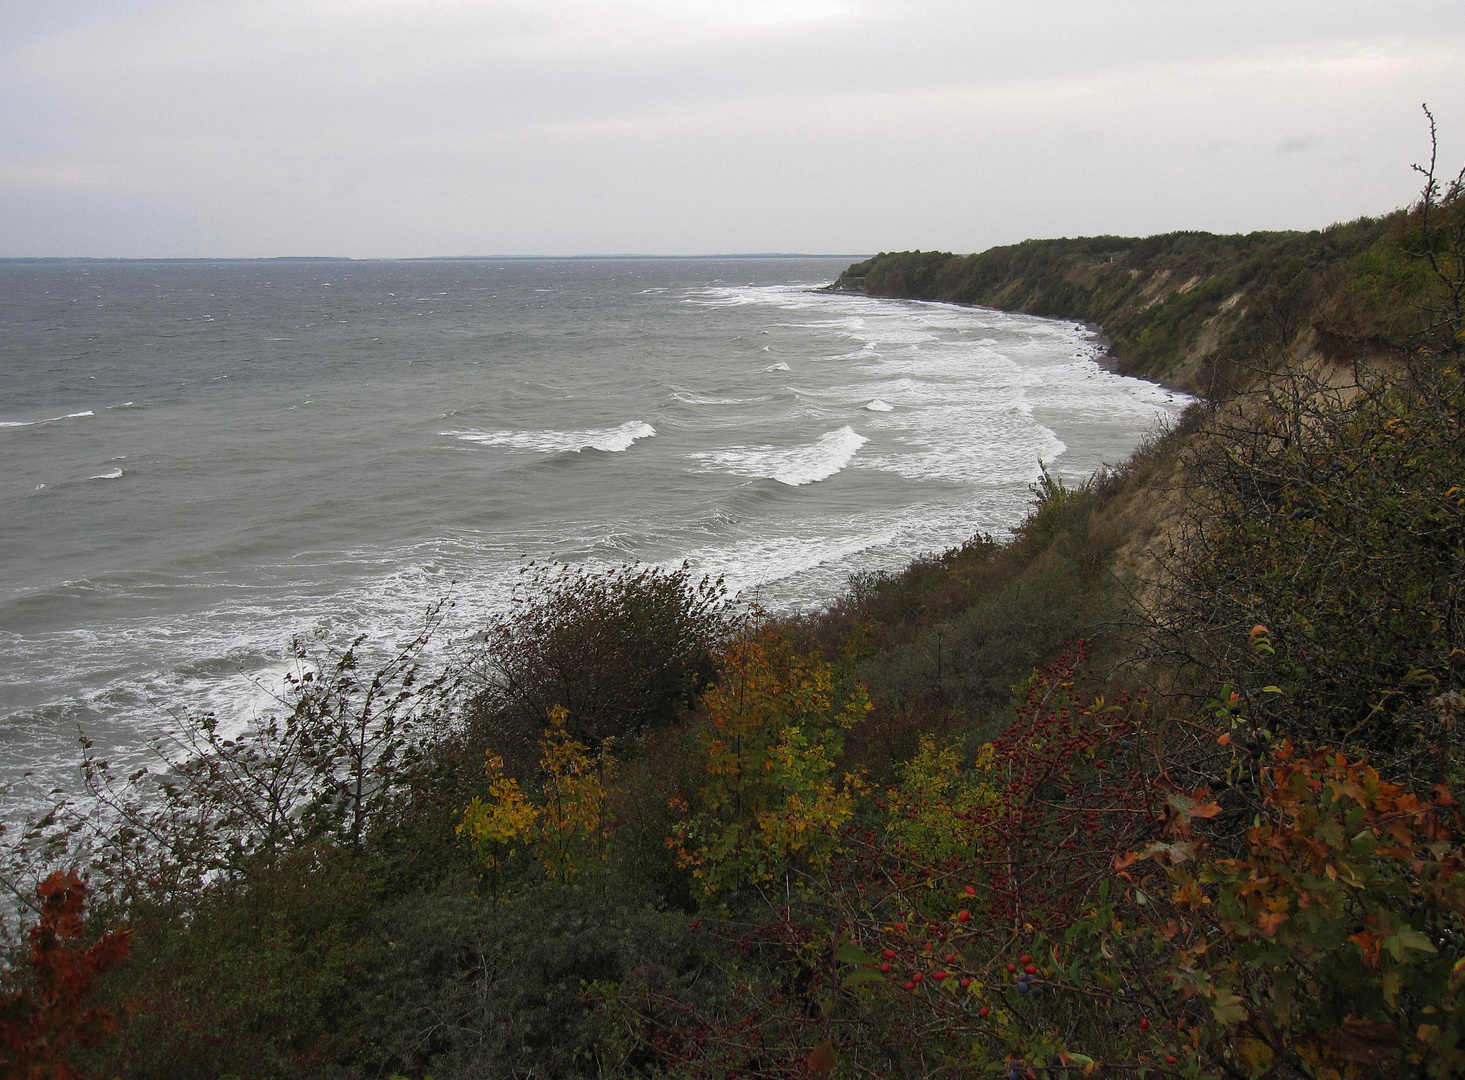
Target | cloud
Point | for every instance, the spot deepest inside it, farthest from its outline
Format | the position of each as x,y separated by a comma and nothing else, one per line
555,126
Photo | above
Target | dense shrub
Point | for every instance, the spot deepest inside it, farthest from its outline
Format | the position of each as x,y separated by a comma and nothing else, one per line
622,650
1334,516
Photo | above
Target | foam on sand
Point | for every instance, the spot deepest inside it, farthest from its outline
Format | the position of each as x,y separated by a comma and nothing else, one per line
608,440
794,466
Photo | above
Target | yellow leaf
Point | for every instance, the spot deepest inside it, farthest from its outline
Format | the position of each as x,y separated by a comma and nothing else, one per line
1257,1055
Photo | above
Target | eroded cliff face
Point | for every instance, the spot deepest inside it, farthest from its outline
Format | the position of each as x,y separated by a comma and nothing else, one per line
1194,310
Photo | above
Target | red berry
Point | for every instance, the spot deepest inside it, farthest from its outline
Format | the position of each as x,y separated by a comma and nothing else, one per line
885,966
900,926
910,986
971,891
917,977
889,954
1169,1060
963,916
965,983
1144,1025
983,1011
938,975
1011,968
1024,959
1031,969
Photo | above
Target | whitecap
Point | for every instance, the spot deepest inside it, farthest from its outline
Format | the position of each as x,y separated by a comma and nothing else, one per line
794,466
113,475
880,406
609,440
780,366
688,397
48,420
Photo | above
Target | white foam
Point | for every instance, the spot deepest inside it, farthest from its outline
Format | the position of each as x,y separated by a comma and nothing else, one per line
113,475
794,466
687,397
780,366
880,406
48,420
609,440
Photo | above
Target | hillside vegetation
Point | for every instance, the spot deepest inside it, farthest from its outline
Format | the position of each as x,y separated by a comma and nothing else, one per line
1164,784
1196,309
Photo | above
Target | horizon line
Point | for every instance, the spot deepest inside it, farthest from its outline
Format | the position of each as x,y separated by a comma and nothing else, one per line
417,258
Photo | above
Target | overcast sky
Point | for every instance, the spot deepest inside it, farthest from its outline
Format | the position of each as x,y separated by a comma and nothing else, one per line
555,127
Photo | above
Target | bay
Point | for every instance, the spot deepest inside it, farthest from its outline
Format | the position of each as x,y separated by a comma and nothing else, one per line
204,459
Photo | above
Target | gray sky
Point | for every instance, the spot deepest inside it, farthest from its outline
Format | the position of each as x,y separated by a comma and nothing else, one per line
552,127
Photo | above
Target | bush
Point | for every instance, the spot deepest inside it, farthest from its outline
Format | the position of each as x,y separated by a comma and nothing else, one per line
622,650
1334,517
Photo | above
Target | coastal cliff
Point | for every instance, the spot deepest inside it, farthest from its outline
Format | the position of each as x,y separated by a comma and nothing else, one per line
1192,309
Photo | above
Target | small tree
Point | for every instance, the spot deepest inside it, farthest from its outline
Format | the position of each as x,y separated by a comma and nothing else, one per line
42,1018
775,731
569,827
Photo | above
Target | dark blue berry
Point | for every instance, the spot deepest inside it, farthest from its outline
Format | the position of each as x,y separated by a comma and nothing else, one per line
1124,744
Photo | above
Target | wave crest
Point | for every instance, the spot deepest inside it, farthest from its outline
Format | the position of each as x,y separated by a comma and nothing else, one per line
48,420
794,466
608,440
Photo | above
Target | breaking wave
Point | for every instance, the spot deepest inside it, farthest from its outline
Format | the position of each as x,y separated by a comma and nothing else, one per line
794,466
609,440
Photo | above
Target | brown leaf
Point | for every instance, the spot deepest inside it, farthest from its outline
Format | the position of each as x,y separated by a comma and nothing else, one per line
823,1058
1368,1042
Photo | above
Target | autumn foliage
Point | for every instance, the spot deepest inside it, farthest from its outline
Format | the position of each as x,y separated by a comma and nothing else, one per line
43,1019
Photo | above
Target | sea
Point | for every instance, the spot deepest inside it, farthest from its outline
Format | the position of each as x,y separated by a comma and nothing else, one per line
205,460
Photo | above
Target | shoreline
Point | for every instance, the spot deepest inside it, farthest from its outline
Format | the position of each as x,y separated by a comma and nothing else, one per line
1105,359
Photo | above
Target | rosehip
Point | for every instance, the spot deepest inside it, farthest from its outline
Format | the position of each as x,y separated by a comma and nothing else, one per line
889,954
963,916
971,891
899,926
1144,1025
885,966
910,986
1024,959
951,958
983,1011
1011,968
965,983
917,977
1169,1060
938,975
1031,969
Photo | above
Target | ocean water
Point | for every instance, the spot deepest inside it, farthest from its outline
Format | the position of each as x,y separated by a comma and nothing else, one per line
203,459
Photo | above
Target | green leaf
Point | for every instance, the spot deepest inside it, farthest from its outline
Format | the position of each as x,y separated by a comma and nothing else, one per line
1271,689
860,978
1413,939
1227,1009
852,954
